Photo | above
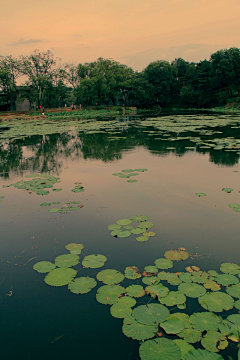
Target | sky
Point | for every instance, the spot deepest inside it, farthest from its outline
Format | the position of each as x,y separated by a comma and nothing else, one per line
133,32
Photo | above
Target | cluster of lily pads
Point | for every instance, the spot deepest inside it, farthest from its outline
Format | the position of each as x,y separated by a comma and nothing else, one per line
76,205
38,184
127,173
1,197
164,329
78,187
123,229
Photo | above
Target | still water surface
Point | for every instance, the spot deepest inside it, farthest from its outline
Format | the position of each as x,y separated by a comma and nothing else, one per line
39,321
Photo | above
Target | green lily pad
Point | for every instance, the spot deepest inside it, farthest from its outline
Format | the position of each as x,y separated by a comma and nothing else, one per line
149,234
212,285
124,176
131,181
2,197
66,260
108,294
199,277
226,279
45,204
74,248
77,190
230,268
137,231
142,238
200,354
129,301
172,325
124,222
140,170
42,192
114,227
120,310
185,277
56,202
159,349
163,263
145,225
150,314
184,319
132,272
56,190
151,269
128,170
134,330
200,194
94,261
53,210
44,266
74,208
82,285
157,290
150,280
171,278
228,190
110,277
121,233
213,273
117,174
192,290
76,202
234,290
128,227
205,321
237,304
216,302
139,218
213,341
173,298
184,346
135,291
60,277
190,335
63,211
176,255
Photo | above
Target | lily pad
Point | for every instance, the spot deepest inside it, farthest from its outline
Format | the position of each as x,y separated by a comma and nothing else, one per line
216,302
200,194
128,227
176,255
185,277
75,248
60,277
134,330
234,290
82,285
226,279
45,204
135,291
66,260
200,354
229,268
94,261
110,277
131,181
42,192
132,272
172,325
137,231
121,233
44,266
128,170
124,176
56,202
53,210
173,298
150,314
228,190
159,349
184,346
117,174
151,269
213,341
120,310
212,285
108,294
149,234
140,170
157,290
190,335
57,190
114,227
205,321
150,280
139,218
142,238
192,290
199,277
163,263
145,225
77,190
129,301
2,197
124,222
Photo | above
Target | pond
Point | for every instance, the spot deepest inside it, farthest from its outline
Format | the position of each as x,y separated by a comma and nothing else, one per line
171,159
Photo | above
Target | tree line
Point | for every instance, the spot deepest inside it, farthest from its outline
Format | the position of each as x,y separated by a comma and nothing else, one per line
180,83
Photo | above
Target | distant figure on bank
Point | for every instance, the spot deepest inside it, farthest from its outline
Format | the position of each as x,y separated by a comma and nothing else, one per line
43,111
75,107
65,105
72,107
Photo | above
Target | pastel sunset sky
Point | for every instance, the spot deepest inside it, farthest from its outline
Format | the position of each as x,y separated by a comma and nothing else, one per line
134,32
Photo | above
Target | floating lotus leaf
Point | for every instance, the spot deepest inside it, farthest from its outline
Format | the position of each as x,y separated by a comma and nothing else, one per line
127,300
124,222
117,174
200,354
94,261
205,321
132,272
128,227
213,273
171,278
192,290
149,280
45,204
120,310
73,208
190,335
132,181
176,255
76,202
56,202
157,290
150,314
172,325
63,211
139,218
133,174
216,302
199,277
233,205
185,277
82,285
228,190
163,263
212,285
160,349
234,290
151,269
67,260
60,277
134,330
140,170
53,210
200,194
56,190
137,231
184,346
75,248
42,192
146,225
142,238
124,176
135,291
184,319
173,298
108,294
226,279
225,327
110,277
2,197
149,234
128,170
235,319
121,233
230,268
213,341
44,266
77,190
